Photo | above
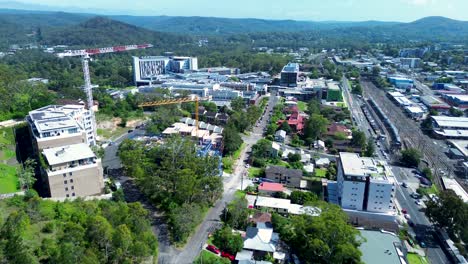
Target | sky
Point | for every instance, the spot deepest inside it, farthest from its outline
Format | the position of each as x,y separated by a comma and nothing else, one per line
315,10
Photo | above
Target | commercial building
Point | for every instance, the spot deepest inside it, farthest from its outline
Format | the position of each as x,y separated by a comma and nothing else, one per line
414,112
401,82
458,100
450,127
364,184
289,75
148,67
435,103
73,170
59,125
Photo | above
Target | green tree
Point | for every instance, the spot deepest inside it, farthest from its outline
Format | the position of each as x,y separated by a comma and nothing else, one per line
327,238
228,241
448,211
370,148
237,104
315,127
26,175
294,157
313,107
359,138
357,89
285,126
411,157
300,197
455,112
236,214
232,140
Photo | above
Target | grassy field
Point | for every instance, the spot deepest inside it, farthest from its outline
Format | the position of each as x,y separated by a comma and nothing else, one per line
320,173
255,172
228,162
8,179
302,106
112,134
208,257
431,190
416,259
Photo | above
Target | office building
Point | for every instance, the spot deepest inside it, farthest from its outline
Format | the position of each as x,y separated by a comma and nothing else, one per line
147,68
364,184
59,125
289,75
73,171
401,82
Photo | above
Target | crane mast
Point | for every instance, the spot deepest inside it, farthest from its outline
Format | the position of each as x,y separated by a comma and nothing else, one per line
88,89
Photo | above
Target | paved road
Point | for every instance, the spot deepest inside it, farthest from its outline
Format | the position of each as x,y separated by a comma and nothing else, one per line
231,184
422,228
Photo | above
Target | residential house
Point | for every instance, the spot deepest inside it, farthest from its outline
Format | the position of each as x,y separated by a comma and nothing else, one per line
275,149
319,145
260,240
322,162
270,188
280,206
337,128
289,177
280,135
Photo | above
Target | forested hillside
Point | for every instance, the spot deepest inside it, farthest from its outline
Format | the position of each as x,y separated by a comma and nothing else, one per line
40,231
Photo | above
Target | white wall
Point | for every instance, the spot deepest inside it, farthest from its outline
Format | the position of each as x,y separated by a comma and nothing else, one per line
380,196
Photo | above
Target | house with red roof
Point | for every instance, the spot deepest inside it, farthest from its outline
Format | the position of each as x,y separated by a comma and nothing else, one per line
295,121
335,128
270,188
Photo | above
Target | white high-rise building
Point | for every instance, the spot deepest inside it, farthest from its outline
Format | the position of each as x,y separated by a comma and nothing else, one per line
365,184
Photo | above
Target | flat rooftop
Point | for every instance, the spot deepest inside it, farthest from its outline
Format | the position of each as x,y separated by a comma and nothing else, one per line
68,153
354,165
272,202
450,121
291,67
458,97
379,248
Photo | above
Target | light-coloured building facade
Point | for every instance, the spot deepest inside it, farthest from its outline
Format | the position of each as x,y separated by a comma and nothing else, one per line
364,184
73,171
58,125
147,68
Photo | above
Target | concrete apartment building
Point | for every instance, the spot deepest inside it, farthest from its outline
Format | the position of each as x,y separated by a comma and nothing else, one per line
288,177
58,125
61,136
73,170
364,184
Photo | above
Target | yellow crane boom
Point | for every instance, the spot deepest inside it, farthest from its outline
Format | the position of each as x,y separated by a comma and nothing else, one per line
195,99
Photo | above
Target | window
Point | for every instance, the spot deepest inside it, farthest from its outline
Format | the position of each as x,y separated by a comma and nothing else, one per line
70,174
73,194
73,187
71,180
66,189
68,195
65,182
64,175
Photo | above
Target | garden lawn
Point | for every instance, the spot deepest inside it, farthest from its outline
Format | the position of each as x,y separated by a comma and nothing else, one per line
208,257
8,179
320,173
255,172
416,259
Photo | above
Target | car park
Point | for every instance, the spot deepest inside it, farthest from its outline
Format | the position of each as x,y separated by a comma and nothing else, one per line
213,249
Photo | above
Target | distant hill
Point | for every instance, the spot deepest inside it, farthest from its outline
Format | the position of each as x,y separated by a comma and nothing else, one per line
104,31
223,26
434,27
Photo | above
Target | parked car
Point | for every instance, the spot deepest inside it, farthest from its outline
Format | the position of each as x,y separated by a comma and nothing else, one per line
407,216
213,249
228,256
410,223
418,202
404,211
130,131
404,184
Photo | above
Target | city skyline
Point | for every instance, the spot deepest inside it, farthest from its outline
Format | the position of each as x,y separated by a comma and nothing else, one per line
312,10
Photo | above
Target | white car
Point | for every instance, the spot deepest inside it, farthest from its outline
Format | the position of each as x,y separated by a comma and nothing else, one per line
247,166
407,216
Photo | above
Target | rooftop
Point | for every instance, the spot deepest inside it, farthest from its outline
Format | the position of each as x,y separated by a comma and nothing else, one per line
261,238
291,67
450,121
60,155
272,202
354,165
379,248
270,186
282,170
